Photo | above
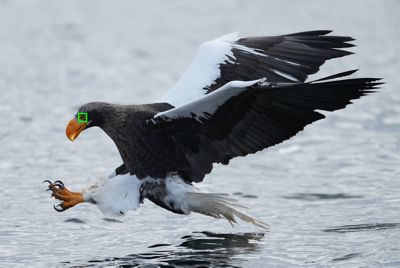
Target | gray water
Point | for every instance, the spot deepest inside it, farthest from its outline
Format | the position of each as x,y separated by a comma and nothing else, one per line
331,194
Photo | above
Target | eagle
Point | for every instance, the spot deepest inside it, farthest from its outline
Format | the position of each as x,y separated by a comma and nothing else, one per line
239,96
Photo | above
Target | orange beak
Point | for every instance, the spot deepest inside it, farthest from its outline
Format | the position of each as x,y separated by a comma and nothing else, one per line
74,129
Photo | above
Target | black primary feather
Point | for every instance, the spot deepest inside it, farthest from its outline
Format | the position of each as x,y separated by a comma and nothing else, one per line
287,58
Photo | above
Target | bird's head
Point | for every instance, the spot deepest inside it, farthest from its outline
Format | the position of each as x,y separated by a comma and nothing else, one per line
89,115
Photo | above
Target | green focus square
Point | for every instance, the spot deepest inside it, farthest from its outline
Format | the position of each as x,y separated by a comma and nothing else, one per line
82,117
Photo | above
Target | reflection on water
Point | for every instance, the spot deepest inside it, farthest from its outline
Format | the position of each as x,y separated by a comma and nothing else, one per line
362,227
199,249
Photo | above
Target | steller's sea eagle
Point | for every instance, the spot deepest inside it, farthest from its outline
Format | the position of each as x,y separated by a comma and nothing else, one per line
239,96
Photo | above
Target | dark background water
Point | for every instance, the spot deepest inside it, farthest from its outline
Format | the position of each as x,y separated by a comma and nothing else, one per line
331,194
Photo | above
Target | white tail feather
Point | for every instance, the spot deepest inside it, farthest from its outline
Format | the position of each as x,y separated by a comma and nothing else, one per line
220,206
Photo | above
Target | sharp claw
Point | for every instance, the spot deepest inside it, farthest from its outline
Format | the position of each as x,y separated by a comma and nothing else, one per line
59,182
58,191
60,186
58,209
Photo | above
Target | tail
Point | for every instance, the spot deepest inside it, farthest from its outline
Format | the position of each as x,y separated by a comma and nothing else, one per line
220,206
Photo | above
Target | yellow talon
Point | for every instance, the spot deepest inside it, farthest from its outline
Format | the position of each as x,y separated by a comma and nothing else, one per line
68,198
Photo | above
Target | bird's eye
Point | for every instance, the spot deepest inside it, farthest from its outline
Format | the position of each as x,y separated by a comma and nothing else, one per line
82,117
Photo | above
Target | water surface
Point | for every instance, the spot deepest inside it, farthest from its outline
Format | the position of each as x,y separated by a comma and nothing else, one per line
331,194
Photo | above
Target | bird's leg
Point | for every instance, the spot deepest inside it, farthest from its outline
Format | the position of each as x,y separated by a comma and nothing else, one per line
68,199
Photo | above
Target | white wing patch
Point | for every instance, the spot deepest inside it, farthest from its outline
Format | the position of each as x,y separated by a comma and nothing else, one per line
286,58
206,105
202,72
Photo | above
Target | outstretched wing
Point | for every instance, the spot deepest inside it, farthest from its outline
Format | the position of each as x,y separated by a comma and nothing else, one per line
245,117
284,58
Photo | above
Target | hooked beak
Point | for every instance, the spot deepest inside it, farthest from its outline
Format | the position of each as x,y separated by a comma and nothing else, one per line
74,129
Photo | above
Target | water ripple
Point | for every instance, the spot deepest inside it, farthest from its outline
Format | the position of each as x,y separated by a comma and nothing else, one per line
74,220
362,227
320,196
347,257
